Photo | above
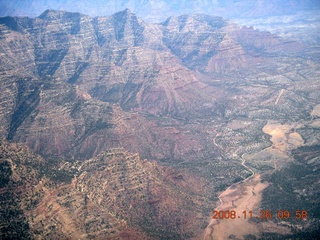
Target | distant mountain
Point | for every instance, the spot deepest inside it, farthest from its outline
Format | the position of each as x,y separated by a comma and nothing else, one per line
85,99
160,10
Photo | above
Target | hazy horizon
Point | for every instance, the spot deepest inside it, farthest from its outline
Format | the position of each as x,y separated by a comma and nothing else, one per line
156,11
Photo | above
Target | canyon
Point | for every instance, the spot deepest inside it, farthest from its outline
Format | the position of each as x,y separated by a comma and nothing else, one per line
116,128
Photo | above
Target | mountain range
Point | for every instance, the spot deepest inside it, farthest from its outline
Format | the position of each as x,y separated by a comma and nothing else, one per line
116,128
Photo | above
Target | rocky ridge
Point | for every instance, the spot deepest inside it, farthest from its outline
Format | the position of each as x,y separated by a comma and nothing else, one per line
145,68
112,195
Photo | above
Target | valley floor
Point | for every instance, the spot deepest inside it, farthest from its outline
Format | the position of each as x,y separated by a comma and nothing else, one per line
244,198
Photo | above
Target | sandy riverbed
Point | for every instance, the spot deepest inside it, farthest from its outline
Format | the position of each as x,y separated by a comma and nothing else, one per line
244,196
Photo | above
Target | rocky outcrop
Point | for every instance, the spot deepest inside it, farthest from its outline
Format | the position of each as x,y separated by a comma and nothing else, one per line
19,176
112,195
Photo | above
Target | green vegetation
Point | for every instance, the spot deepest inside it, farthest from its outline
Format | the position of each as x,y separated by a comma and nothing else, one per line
295,188
5,172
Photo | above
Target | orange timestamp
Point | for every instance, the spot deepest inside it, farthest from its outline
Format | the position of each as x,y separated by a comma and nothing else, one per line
264,214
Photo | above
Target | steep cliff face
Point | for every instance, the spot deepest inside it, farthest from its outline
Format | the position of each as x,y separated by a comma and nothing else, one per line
116,59
61,73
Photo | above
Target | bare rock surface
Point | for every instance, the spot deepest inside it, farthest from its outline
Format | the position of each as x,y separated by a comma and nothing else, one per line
192,95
